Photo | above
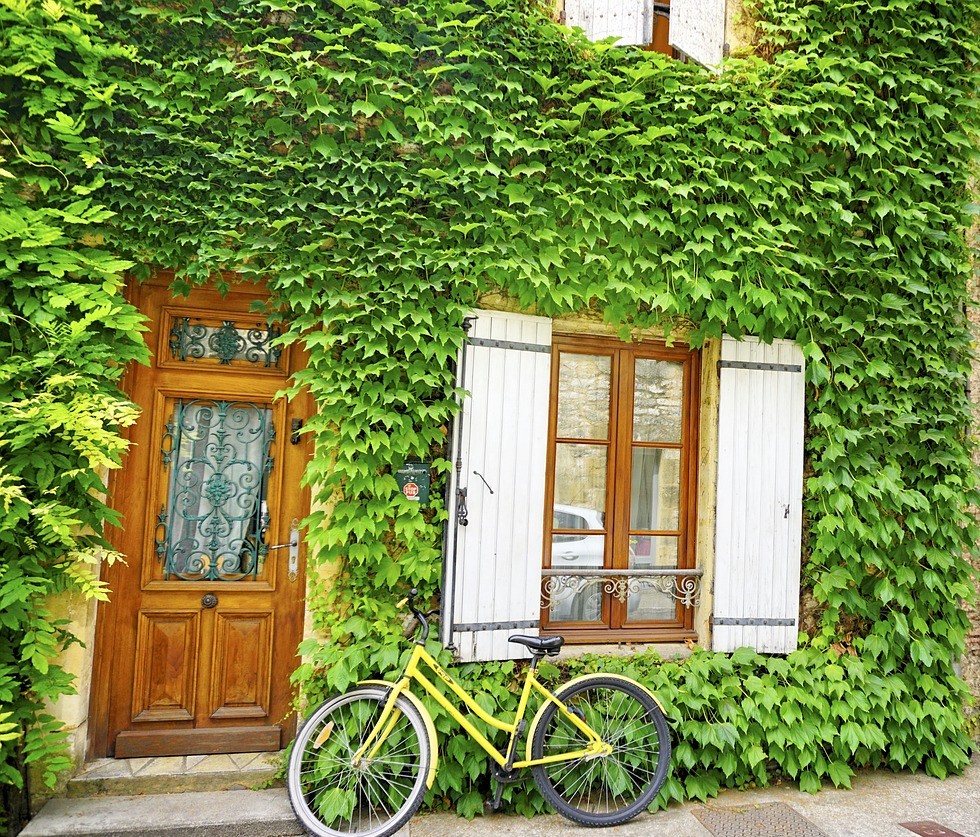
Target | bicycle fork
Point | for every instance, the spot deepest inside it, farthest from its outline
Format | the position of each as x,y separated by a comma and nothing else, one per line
380,730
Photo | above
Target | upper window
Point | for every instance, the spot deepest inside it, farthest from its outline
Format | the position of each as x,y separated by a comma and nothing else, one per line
694,29
621,489
631,22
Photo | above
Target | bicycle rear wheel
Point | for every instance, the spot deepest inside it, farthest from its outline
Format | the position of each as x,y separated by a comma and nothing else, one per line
335,797
612,789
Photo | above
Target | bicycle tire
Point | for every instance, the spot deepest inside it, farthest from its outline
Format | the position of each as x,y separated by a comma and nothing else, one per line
608,790
334,798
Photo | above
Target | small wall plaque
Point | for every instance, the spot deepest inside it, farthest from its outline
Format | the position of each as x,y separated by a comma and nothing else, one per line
414,479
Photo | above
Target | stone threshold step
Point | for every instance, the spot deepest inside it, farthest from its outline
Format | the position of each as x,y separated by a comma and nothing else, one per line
235,813
175,774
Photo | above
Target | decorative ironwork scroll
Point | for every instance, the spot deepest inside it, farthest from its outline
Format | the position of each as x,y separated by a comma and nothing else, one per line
562,584
219,455
227,342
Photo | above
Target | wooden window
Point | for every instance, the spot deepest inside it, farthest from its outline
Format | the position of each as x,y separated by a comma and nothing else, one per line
621,489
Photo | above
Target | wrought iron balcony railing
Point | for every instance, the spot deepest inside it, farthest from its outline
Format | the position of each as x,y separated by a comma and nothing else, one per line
682,585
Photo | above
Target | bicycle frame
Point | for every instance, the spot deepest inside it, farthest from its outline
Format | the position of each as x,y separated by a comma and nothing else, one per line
594,748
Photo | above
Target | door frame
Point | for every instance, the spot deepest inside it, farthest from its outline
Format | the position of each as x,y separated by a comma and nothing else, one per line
99,734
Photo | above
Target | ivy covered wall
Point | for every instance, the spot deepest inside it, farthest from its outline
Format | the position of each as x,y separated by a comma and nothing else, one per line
382,165
65,336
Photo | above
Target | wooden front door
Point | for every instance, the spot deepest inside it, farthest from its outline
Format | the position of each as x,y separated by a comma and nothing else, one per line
195,648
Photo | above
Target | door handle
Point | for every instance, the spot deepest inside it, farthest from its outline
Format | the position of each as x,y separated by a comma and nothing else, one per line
292,568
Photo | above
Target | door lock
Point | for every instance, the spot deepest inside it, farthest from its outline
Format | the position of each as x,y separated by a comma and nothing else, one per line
292,568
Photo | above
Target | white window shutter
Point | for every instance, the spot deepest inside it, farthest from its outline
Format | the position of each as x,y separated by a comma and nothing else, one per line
631,21
492,571
697,28
759,509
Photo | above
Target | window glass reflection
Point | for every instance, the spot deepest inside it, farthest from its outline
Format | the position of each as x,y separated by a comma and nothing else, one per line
655,489
648,552
580,480
658,401
583,396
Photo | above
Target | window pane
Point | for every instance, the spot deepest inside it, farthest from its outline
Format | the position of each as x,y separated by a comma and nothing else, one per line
583,396
572,517
650,604
651,552
658,401
578,552
655,490
228,342
645,602
580,483
575,599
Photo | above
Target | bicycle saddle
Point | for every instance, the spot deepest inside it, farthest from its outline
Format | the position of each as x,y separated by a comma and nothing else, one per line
541,644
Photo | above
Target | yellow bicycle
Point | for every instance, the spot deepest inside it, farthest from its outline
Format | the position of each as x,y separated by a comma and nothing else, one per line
598,747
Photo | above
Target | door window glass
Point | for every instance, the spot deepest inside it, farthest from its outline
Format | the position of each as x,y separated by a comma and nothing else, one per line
219,456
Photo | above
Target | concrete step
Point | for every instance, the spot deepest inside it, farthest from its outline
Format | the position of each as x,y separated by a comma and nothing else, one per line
176,774
238,813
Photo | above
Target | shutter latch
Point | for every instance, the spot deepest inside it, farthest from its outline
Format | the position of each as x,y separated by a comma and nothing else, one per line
477,473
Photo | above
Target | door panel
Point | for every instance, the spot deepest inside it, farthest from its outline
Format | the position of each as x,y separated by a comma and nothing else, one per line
166,649
242,650
195,648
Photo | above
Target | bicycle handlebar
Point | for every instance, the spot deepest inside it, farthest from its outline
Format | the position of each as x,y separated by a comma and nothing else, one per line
418,614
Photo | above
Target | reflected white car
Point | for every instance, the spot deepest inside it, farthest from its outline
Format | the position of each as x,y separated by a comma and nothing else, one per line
574,550
585,551
578,551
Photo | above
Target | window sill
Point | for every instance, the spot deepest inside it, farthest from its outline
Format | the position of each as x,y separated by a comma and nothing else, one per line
667,650
667,641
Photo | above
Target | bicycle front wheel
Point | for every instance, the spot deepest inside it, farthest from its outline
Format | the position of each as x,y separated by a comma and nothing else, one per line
611,789
336,795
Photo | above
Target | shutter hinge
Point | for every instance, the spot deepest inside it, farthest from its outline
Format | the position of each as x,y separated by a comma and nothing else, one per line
750,620
510,344
765,367
461,627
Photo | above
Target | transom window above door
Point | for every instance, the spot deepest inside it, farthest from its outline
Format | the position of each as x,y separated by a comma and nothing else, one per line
239,344
621,489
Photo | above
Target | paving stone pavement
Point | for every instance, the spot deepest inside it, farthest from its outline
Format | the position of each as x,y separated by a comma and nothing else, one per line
877,806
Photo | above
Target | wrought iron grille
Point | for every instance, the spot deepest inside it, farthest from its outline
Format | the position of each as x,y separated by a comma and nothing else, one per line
563,587
227,342
212,525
